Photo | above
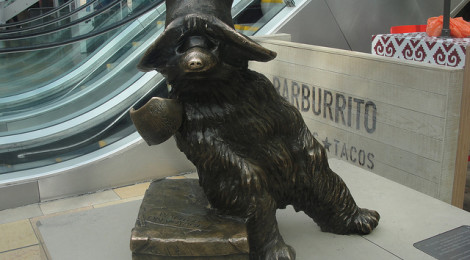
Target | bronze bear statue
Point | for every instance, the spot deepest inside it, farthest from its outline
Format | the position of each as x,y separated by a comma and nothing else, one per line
252,150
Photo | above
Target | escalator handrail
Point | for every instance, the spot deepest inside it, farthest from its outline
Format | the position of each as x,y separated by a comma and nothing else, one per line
141,21
81,37
53,130
32,19
51,21
65,26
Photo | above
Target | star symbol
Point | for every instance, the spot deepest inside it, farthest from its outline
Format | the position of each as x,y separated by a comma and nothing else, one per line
326,144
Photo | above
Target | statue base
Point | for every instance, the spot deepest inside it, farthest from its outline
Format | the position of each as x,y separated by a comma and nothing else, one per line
175,221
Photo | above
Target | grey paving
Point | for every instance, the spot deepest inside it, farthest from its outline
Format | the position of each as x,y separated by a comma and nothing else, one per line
20,213
407,217
101,233
78,202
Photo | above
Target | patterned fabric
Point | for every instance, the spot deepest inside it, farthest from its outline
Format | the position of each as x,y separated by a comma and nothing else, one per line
420,47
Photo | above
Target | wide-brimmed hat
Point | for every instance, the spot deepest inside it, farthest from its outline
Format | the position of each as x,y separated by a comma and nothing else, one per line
213,17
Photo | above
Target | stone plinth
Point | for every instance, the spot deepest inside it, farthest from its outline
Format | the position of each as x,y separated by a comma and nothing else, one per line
175,220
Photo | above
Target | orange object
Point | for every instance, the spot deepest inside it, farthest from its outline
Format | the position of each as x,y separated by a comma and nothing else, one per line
408,28
459,28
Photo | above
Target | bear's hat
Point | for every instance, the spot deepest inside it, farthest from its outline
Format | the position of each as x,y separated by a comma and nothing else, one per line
211,17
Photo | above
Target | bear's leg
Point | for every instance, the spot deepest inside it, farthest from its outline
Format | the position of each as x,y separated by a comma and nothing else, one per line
256,205
265,240
324,196
238,186
332,207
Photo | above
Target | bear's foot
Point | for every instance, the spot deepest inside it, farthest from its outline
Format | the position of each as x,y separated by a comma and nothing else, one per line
365,221
278,250
362,222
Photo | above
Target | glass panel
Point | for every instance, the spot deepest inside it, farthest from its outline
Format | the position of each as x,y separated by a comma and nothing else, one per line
43,89
256,15
84,22
22,72
66,101
41,15
86,11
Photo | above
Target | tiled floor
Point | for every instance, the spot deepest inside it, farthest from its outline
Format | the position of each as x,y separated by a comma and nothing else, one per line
19,237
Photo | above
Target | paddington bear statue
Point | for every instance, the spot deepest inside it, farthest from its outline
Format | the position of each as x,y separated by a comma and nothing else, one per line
252,150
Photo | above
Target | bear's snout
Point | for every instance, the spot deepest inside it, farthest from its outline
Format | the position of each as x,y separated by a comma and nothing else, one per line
198,54
195,63
198,60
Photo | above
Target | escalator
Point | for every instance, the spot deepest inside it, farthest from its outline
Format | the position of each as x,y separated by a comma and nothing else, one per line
56,103
39,16
65,102
45,28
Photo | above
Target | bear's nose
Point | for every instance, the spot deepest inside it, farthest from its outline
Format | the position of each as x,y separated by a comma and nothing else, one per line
195,63
197,60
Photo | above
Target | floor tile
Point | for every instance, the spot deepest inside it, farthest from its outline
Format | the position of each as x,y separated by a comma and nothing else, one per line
309,242
117,202
132,191
102,233
20,213
16,235
42,253
28,253
35,220
406,216
78,202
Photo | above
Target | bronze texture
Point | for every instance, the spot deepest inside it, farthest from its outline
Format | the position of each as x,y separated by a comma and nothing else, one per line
252,150
158,119
175,220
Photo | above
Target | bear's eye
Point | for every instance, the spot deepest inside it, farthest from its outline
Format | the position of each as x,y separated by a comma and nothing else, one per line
213,42
179,44
195,41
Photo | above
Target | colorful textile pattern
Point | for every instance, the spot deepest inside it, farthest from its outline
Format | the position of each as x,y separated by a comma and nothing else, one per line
420,47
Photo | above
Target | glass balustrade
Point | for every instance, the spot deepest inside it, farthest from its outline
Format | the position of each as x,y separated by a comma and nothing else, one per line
68,100
90,20
44,15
